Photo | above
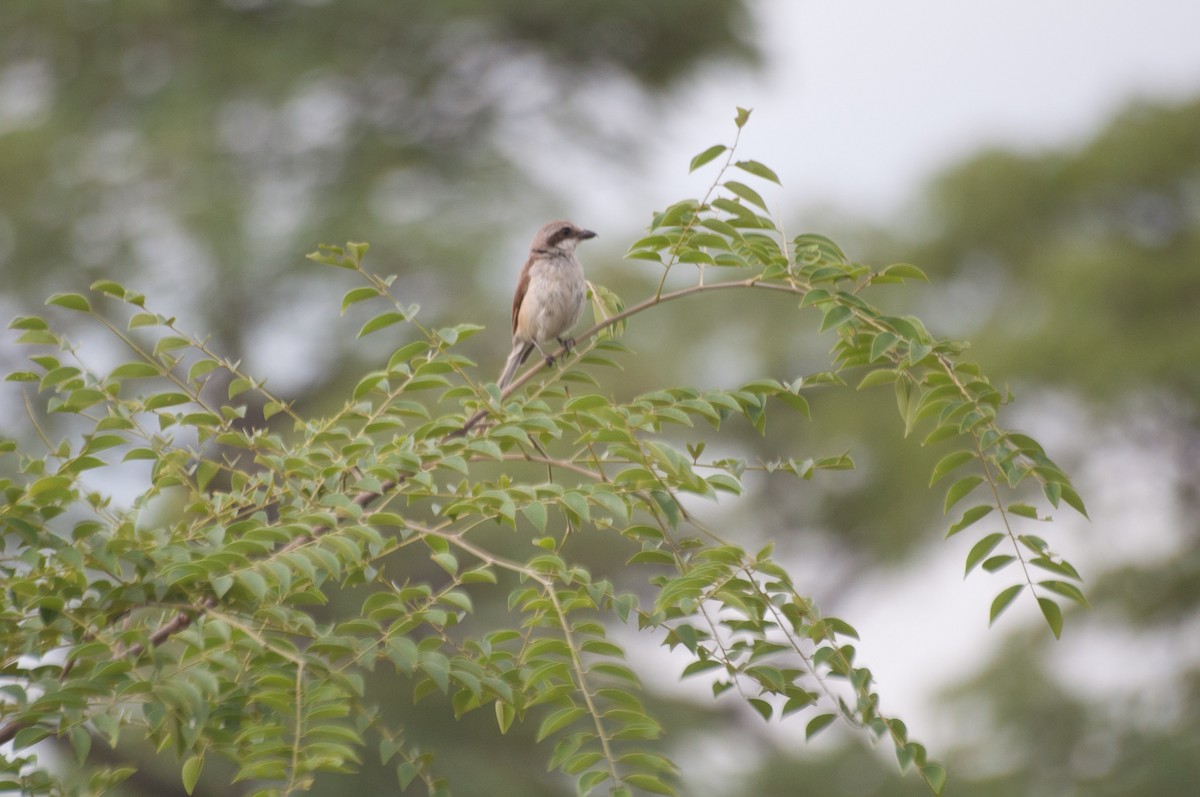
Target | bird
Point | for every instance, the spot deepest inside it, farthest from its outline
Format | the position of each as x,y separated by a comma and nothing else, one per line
550,294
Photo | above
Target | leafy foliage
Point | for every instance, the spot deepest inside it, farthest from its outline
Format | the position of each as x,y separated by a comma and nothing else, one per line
196,614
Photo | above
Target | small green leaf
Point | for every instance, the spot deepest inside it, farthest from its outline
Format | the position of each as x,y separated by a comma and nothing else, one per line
818,724
239,386
948,463
706,156
904,271
505,714
758,170
1024,510
143,320
883,343
836,316
648,783
71,301
27,737
191,772
81,742
589,401
747,193
743,116
381,321
1073,500
998,563
960,489
1053,616
880,376
981,549
109,287
1003,600
221,584
1066,590
134,370
358,295
559,720
935,776
28,322
972,515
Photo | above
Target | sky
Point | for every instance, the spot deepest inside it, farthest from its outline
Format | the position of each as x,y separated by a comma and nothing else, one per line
859,103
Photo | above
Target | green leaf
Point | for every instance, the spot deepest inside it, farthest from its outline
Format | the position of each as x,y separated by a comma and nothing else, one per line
904,271
960,489
998,563
1066,590
818,724
28,322
648,783
972,515
883,343
981,549
221,584
948,463
1024,510
706,156
358,295
109,287
743,116
1003,600
1053,616
163,400
71,301
880,376
170,343
200,368
590,780
143,320
836,316
191,772
758,170
761,706
81,743
505,714
588,401
1073,500
935,776
27,737
747,193
381,321
559,720
134,370
253,583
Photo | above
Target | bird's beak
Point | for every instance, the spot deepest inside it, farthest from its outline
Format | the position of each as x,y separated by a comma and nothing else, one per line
583,235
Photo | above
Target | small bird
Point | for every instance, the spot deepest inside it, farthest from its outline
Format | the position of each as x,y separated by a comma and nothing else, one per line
550,294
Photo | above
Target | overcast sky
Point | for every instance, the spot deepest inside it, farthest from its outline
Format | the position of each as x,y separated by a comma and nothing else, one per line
860,102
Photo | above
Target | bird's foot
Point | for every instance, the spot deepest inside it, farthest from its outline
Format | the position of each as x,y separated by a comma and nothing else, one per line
567,343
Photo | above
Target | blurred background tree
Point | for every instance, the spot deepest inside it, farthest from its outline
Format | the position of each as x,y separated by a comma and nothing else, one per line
195,150
199,149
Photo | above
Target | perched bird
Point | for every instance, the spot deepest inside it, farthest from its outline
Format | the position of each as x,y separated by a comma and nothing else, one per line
550,294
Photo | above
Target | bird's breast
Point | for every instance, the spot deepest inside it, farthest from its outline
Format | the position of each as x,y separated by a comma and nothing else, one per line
554,299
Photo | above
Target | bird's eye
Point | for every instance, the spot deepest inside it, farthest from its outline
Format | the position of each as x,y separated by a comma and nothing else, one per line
564,232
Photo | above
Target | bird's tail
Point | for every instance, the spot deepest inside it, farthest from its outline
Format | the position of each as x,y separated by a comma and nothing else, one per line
519,354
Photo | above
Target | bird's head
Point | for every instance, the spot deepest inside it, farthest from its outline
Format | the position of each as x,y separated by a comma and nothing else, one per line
561,235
